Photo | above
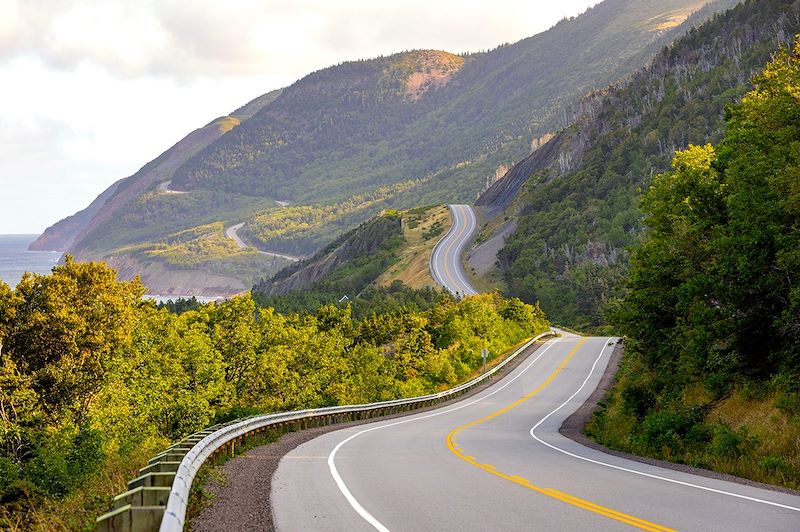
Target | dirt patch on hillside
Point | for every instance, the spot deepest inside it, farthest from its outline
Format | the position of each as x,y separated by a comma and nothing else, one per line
483,258
432,69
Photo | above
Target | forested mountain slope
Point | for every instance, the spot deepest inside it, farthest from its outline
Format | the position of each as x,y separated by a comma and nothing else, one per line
575,199
67,234
711,373
418,127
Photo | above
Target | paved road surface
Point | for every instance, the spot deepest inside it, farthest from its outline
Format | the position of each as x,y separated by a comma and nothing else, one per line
164,188
497,462
232,233
446,257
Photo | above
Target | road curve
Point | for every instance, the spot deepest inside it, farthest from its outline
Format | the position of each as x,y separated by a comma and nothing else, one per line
233,234
496,461
164,188
445,261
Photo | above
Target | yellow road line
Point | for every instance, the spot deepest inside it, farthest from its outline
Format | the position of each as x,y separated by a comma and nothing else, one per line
555,494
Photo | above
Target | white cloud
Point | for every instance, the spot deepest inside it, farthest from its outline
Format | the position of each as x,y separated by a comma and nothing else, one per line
245,37
94,89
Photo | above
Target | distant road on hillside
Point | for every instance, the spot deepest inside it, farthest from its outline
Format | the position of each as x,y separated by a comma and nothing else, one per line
446,264
164,188
232,233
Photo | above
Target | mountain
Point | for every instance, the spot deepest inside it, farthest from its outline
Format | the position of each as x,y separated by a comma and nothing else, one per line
67,233
418,127
381,264
568,212
346,265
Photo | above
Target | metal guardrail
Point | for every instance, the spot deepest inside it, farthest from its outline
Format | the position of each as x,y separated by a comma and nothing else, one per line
157,499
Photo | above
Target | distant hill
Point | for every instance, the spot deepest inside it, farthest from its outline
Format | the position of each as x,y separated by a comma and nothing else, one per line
569,210
418,127
346,265
379,265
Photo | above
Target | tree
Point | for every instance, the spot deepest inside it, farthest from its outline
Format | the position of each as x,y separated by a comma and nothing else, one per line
64,330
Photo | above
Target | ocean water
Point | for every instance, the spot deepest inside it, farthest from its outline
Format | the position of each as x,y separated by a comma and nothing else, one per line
15,259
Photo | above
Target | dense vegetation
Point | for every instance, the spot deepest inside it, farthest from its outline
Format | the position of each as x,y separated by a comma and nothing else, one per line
711,374
446,123
94,380
578,211
345,267
304,229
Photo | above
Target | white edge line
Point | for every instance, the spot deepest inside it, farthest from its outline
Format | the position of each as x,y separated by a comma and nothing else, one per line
368,517
635,472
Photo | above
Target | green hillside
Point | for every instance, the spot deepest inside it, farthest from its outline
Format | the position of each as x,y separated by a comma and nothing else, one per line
575,200
711,374
419,127
353,265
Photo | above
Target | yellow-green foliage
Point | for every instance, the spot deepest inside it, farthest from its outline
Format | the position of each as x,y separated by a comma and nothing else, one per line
192,247
712,309
295,226
93,380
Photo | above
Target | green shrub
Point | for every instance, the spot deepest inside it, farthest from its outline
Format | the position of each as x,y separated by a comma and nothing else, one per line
65,460
661,431
773,464
9,473
637,400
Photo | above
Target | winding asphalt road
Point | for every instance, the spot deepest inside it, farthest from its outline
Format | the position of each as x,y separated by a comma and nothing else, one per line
446,257
232,233
496,461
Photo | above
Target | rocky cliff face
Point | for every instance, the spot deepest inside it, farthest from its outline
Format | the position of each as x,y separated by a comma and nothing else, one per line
164,281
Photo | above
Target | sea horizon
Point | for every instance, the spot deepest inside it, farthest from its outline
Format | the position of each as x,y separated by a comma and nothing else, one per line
16,259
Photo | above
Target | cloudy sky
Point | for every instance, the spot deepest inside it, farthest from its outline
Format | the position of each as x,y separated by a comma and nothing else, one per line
92,90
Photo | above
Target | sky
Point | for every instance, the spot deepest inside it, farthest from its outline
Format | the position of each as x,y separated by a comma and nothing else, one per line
93,90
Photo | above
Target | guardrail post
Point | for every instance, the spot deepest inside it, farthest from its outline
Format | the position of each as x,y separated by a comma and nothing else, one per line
131,519
142,496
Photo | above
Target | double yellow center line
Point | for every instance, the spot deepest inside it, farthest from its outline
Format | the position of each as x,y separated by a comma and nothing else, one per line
550,492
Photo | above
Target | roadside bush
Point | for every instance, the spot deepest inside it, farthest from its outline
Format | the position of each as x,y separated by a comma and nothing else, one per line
663,433
730,444
64,460
776,465
637,400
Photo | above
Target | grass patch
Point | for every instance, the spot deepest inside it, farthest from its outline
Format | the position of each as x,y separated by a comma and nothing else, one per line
745,434
412,266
